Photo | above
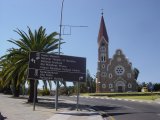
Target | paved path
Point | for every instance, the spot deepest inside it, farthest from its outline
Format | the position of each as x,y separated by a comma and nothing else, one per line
18,109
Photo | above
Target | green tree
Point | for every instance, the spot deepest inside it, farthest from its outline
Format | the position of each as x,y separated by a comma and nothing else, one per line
10,73
144,84
33,41
157,86
136,72
87,86
139,86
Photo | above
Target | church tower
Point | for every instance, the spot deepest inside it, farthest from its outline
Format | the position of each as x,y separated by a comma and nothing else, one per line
103,57
114,74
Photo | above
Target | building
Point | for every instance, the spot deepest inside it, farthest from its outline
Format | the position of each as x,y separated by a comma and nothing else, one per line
113,74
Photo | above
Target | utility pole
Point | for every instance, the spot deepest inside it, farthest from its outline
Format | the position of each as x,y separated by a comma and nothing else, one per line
59,48
59,52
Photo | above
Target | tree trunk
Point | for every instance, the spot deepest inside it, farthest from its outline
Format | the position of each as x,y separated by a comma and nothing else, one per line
16,89
31,91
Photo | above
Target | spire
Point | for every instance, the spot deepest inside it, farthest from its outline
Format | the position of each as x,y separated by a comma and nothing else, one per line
102,30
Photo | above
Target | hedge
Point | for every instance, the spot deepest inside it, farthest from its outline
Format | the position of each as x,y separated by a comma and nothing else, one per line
125,94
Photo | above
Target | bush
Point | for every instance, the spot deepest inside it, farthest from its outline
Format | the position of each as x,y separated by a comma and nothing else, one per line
125,94
43,92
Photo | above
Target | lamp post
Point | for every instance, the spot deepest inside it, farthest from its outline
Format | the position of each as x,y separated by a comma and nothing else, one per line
59,50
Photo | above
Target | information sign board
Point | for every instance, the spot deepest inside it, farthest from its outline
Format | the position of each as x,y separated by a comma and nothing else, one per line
46,66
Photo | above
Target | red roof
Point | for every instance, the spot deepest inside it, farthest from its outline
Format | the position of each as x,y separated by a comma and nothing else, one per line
102,30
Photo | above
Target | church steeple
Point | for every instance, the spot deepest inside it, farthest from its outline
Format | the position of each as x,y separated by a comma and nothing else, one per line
103,59
102,30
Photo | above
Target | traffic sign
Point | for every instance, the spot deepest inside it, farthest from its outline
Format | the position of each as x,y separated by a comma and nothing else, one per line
46,66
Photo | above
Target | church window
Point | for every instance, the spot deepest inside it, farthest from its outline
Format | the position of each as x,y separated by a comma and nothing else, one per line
119,70
103,58
103,65
110,85
103,85
129,75
129,85
103,44
110,75
102,48
103,74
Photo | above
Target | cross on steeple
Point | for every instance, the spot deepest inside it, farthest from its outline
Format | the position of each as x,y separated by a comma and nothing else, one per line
102,11
102,29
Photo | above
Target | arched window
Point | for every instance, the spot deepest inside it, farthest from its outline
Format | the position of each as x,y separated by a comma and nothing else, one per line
129,85
110,85
103,85
103,74
129,75
102,49
103,66
103,58
110,75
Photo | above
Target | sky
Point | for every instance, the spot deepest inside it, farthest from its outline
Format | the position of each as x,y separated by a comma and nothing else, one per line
132,25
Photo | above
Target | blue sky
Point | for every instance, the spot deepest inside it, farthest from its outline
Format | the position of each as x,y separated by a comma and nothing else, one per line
132,25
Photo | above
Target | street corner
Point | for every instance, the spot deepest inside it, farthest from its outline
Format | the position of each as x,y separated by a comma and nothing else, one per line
76,115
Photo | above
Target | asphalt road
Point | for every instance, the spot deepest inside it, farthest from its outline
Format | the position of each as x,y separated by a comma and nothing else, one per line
122,110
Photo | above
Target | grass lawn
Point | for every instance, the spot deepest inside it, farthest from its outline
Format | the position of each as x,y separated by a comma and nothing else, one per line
138,97
134,96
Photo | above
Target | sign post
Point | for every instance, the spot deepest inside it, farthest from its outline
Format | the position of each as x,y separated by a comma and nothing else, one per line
34,101
78,91
44,66
77,95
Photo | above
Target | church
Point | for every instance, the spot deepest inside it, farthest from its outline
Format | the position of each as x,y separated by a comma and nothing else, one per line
113,74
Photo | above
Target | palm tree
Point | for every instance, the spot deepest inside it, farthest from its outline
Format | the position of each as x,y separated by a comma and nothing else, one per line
9,74
33,41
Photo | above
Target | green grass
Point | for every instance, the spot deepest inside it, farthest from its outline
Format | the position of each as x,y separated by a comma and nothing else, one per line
138,97
134,95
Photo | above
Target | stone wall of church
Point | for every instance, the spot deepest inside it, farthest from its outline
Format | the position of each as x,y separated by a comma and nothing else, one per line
120,75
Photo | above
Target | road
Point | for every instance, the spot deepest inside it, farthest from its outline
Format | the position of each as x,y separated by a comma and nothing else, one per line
121,109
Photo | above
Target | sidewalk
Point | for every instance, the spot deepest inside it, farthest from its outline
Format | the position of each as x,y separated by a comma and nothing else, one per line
76,115
18,109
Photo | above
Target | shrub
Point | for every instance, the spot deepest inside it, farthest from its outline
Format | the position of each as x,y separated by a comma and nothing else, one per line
125,94
43,92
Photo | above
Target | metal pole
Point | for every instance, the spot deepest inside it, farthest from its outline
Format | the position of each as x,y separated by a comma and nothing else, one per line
59,48
34,101
77,95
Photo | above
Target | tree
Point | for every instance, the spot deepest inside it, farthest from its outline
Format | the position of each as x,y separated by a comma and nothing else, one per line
140,87
144,84
87,86
10,72
136,73
150,86
33,41
157,86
